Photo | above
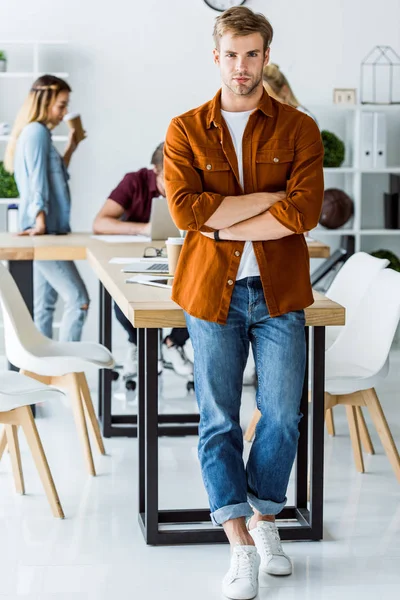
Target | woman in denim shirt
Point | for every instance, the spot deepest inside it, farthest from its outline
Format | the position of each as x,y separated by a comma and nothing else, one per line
42,179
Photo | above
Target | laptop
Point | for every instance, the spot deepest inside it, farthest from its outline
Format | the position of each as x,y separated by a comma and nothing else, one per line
162,227
147,265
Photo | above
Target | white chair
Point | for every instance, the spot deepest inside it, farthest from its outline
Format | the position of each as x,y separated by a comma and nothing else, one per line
358,359
17,393
347,289
58,363
350,285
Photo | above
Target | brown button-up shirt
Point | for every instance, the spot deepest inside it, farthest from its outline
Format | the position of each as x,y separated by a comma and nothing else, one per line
282,150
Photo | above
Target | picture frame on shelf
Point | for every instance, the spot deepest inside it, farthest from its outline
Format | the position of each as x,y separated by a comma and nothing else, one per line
345,96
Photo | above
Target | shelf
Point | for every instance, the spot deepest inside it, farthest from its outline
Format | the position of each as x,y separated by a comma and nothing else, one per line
7,201
352,107
340,170
380,231
318,232
339,231
382,170
29,75
55,138
30,42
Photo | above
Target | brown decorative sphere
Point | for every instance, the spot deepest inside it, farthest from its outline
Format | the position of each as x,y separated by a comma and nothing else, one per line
337,208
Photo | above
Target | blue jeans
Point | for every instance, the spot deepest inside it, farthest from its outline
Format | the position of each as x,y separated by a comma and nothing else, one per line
220,356
53,278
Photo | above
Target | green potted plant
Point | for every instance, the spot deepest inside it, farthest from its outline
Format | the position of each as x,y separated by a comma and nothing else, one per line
8,187
334,151
3,61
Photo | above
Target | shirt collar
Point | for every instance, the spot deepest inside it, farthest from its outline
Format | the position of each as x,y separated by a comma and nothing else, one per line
214,113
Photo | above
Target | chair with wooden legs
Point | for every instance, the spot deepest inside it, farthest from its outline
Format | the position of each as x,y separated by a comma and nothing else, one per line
17,394
359,359
347,289
54,363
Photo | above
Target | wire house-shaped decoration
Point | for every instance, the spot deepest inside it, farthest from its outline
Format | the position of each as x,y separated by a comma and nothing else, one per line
380,77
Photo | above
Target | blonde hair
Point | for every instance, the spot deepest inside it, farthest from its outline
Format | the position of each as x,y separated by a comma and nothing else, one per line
276,80
36,107
241,21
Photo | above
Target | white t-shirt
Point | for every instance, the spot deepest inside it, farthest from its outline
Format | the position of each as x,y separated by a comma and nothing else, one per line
236,122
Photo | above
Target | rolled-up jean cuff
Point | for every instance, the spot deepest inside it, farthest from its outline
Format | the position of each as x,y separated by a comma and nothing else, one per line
232,511
266,507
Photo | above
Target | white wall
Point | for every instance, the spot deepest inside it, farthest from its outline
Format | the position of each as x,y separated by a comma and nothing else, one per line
135,64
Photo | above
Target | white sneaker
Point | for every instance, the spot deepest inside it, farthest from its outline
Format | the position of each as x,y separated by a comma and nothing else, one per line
268,543
241,581
176,357
130,363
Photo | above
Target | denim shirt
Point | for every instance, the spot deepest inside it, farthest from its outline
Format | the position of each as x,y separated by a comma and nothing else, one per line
42,180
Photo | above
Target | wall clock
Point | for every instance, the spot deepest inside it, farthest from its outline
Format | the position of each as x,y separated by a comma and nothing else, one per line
222,5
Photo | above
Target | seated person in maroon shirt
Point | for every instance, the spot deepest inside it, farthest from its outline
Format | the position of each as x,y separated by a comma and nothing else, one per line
127,212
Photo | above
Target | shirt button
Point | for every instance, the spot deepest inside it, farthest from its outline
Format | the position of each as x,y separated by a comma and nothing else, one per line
230,282
276,159
237,253
209,167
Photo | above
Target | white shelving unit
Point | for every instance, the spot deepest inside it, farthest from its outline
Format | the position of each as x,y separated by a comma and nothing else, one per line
34,47
365,186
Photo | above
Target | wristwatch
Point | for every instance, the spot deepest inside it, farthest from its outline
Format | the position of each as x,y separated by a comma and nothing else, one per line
216,236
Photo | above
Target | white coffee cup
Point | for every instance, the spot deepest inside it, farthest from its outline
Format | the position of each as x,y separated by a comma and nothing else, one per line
174,247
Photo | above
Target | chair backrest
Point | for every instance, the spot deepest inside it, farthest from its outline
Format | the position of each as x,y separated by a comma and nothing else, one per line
367,337
19,329
350,285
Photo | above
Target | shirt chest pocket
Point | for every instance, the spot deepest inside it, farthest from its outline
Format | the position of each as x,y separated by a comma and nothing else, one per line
215,173
273,168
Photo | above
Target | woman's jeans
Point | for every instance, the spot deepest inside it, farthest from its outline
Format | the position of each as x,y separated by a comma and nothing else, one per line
220,356
53,278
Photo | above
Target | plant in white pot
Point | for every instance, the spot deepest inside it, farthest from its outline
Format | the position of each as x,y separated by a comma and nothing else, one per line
3,61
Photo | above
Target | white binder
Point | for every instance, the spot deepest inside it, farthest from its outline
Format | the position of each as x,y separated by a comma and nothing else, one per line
379,140
367,140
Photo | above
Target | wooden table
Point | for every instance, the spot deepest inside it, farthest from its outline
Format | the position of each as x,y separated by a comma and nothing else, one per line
21,251
150,308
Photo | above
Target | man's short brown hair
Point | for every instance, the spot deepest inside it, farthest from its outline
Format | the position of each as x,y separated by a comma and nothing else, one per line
241,21
157,159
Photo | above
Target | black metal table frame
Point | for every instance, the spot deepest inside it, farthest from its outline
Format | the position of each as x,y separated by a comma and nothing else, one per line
154,522
148,426
126,425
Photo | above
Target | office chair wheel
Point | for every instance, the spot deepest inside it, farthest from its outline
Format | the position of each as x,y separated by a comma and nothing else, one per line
114,375
130,385
190,386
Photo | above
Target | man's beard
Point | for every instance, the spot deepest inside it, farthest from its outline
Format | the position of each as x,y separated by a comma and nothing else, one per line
243,89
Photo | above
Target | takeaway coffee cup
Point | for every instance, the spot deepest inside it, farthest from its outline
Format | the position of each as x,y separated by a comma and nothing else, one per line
174,247
73,121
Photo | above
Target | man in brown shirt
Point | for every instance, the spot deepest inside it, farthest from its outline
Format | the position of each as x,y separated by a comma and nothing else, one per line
127,212
244,177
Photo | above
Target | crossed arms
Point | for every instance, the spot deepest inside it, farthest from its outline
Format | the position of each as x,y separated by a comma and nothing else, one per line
252,217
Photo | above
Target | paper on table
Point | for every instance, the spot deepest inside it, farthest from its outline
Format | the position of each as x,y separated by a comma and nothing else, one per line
121,239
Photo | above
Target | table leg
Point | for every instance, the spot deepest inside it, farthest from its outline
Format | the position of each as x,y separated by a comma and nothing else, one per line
302,449
22,272
105,375
317,433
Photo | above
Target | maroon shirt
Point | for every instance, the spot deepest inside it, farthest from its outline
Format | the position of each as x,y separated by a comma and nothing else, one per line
135,194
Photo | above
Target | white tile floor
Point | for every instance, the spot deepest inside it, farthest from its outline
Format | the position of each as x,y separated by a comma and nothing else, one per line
98,552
